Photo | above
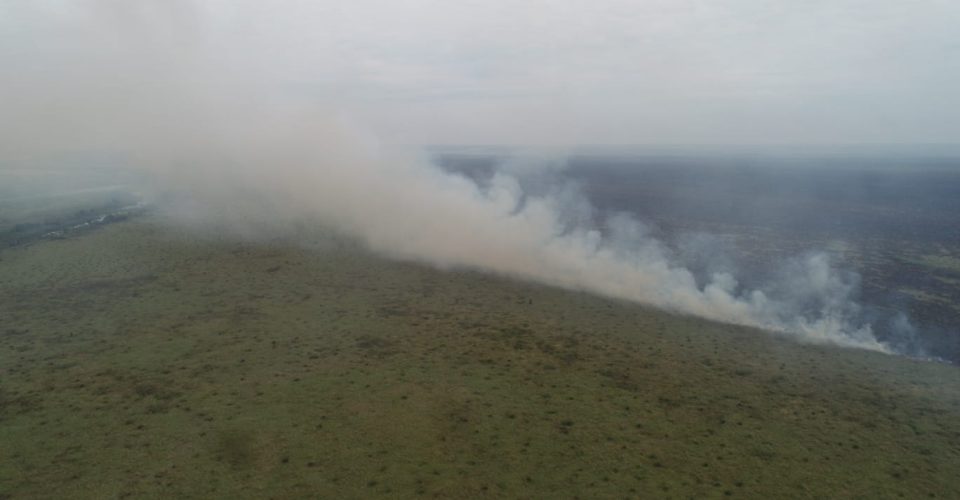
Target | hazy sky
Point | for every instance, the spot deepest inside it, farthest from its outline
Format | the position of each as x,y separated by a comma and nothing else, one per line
555,72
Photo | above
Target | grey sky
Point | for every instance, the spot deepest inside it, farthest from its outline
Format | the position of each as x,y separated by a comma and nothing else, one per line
560,72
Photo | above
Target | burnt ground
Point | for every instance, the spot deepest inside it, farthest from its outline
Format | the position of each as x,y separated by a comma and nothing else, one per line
892,219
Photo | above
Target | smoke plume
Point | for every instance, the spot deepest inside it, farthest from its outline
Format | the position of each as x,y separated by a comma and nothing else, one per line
153,92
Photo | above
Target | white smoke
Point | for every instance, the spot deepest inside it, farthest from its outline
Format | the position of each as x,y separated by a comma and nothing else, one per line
217,135
408,209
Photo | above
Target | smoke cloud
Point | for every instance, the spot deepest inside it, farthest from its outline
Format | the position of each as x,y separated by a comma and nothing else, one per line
221,133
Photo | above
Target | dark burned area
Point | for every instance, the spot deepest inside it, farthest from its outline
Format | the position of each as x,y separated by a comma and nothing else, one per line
892,220
115,209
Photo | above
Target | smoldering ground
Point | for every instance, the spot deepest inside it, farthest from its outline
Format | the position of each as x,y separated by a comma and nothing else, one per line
218,134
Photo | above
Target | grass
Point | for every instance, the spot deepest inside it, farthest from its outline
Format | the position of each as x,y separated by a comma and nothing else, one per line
939,262
141,361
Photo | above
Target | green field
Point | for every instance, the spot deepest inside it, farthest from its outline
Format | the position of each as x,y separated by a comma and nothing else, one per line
139,360
939,262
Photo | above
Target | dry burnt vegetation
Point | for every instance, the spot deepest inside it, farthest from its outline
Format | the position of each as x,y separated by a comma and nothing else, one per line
141,361
891,219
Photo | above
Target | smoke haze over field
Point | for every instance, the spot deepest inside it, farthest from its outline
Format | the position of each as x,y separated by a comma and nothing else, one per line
223,102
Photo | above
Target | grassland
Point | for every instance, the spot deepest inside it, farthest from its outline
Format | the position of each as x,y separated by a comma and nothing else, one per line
140,361
944,262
